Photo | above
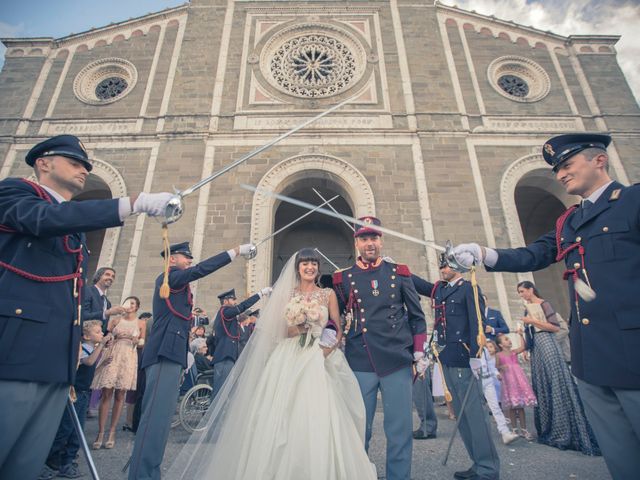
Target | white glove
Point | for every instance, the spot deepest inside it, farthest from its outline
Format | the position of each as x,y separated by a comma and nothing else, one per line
265,292
476,366
468,253
422,363
248,250
328,338
153,204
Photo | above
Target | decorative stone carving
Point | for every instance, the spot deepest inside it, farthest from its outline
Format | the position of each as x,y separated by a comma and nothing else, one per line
90,85
518,78
313,60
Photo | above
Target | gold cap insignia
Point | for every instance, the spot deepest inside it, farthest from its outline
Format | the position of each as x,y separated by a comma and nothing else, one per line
549,149
367,220
615,195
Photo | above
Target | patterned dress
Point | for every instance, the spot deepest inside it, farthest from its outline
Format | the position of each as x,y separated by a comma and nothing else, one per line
559,417
118,366
515,390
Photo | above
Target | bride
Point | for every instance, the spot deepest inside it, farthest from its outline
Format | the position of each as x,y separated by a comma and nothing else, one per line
291,408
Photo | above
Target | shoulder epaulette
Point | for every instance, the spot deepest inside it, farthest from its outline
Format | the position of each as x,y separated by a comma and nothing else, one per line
403,270
337,276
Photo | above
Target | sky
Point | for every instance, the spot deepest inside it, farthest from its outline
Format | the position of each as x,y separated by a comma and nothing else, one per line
32,18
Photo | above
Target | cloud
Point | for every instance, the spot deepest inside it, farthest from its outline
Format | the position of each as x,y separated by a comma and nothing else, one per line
576,17
7,31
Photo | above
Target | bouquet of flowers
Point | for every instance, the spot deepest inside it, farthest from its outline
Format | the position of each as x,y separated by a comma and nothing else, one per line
301,311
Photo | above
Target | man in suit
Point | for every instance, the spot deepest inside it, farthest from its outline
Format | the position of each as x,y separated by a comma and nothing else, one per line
386,335
494,321
456,330
165,353
599,241
95,304
42,269
229,333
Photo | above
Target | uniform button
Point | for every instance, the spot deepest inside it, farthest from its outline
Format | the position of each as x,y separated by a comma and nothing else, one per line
393,269
443,302
393,285
363,320
359,300
393,295
355,291
605,229
585,321
578,239
18,311
353,283
364,330
393,277
458,332
349,275
362,310
562,239
576,265
393,306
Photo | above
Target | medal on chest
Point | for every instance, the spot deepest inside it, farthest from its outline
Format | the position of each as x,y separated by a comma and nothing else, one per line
374,288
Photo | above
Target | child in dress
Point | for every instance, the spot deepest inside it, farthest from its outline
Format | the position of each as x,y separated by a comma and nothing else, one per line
516,389
492,350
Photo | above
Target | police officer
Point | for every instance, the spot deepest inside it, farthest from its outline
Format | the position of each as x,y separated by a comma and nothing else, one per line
165,354
42,269
228,333
456,327
385,334
599,241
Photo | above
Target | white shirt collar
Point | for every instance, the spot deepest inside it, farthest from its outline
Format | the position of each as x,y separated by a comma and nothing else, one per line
53,193
453,282
99,291
593,198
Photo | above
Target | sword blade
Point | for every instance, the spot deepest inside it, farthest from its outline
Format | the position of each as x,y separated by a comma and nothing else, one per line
341,216
327,258
204,181
295,221
334,210
83,439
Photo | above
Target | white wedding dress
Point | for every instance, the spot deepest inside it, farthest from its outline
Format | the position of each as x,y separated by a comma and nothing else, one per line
303,419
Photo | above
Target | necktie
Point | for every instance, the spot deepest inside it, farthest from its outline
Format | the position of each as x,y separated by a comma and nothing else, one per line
586,206
104,306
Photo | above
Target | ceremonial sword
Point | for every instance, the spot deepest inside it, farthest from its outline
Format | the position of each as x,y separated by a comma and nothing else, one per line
83,439
447,250
269,237
175,206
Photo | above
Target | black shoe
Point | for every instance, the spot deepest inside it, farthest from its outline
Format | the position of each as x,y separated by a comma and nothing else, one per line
127,428
419,435
465,475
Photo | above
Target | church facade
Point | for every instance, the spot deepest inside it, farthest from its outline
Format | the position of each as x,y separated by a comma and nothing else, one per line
441,138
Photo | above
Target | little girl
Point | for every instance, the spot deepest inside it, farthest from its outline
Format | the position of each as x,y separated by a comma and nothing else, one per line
516,389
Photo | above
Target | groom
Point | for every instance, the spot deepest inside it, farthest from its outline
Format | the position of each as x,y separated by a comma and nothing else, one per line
386,336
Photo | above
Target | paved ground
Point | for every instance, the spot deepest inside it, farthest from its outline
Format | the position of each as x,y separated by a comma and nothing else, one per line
521,460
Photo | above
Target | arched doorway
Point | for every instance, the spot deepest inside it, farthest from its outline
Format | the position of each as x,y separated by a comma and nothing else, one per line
95,189
329,235
537,200
297,176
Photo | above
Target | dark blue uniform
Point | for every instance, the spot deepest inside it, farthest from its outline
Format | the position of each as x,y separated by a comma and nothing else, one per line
163,358
388,326
39,320
456,324
605,333
228,331
385,326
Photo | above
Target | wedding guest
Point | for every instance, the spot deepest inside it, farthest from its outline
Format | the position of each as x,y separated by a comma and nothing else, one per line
117,370
131,396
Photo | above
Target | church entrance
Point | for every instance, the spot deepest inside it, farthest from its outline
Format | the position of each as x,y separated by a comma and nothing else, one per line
95,189
538,208
331,236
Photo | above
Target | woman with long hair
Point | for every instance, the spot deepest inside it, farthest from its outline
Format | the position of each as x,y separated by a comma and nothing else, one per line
559,417
291,407
117,369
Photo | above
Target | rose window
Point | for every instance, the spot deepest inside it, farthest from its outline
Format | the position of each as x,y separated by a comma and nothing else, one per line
111,87
514,85
313,64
